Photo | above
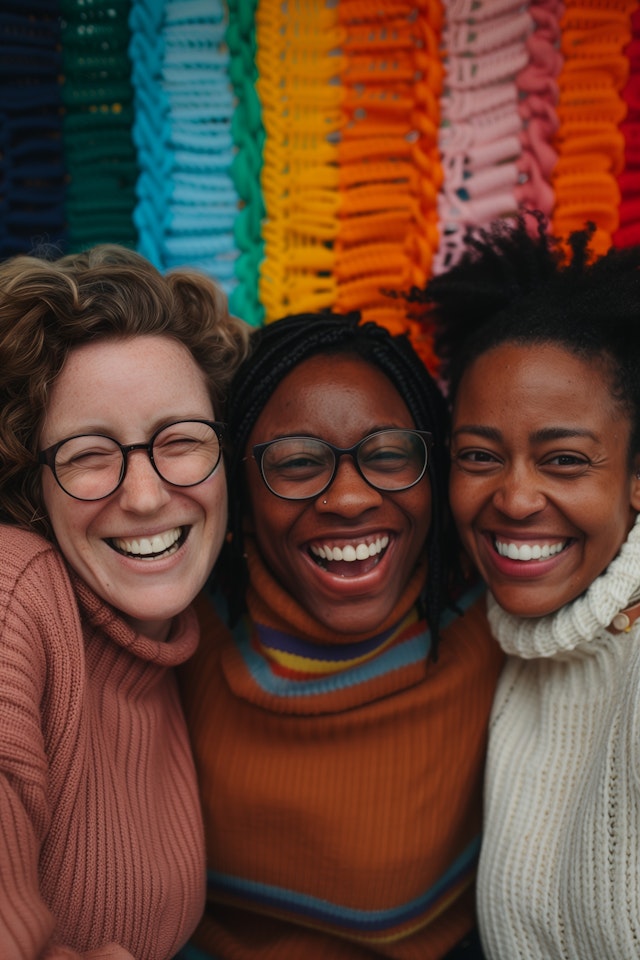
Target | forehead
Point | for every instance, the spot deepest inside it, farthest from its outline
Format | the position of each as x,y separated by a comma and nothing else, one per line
339,397
519,384
116,382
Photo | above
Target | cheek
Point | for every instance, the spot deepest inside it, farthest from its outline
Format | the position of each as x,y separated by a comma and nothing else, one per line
460,498
214,503
63,512
48,491
419,509
270,528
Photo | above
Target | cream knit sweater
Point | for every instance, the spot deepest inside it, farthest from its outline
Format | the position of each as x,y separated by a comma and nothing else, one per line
560,865
101,841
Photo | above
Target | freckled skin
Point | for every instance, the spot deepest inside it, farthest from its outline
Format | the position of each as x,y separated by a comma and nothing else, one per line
540,454
340,399
127,389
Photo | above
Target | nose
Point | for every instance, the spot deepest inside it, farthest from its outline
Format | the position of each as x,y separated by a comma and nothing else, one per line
519,493
349,494
142,490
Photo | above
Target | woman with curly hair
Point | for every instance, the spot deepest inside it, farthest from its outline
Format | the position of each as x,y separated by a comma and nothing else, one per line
113,509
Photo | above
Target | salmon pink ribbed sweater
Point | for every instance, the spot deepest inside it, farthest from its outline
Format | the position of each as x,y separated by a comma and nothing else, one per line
101,846
341,779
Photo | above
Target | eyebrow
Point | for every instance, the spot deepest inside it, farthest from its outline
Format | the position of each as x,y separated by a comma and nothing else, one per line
544,435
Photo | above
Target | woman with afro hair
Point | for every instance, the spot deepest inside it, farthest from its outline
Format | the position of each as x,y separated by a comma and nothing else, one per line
541,346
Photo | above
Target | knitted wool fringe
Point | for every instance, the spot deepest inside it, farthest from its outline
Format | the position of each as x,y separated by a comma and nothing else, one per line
313,154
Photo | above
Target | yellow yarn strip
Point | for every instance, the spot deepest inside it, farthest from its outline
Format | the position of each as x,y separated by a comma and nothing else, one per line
298,63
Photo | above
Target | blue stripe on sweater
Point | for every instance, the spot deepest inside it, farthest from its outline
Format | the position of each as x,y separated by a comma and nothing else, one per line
318,910
402,654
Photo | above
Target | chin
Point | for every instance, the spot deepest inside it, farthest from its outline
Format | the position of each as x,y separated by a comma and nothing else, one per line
527,608
351,621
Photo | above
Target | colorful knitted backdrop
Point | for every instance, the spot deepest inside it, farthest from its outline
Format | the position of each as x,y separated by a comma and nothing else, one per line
313,154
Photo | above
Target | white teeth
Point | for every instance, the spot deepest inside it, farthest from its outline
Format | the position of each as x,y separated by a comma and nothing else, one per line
351,551
148,546
527,551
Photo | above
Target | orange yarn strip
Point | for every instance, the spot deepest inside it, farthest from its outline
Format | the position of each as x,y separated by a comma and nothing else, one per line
591,108
389,166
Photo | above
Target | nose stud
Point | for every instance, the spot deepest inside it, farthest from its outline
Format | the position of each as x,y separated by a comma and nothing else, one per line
324,501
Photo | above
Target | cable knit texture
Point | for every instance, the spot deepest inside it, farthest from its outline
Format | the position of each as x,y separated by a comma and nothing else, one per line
341,779
101,845
560,869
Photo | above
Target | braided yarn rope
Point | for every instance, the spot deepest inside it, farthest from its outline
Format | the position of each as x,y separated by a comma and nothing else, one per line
187,200
315,154
98,116
498,109
628,231
32,162
591,109
389,164
350,171
246,167
298,61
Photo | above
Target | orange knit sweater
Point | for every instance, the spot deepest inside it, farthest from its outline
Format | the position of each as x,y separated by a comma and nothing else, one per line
341,781
101,847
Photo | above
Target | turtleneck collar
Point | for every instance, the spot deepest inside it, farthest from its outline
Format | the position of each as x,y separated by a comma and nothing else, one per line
96,613
282,660
582,621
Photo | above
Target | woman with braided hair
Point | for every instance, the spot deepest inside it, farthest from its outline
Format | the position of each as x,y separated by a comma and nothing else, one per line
542,346
339,729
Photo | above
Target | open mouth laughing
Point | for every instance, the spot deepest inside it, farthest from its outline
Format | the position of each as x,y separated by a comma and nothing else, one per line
349,559
150,548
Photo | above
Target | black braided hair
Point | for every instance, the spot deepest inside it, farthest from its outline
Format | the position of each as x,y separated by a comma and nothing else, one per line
523,286
275,351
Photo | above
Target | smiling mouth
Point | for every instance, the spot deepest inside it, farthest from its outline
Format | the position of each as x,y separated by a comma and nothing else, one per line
150,548
350,559
525,552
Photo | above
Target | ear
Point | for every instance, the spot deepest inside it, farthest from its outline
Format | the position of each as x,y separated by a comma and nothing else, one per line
635,484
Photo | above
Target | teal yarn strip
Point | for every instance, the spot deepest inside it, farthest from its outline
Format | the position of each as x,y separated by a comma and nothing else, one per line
248,138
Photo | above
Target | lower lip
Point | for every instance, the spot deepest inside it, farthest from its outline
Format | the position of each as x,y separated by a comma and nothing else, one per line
522,569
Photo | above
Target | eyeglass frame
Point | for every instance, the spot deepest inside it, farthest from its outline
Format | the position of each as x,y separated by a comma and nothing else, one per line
259,449
47,457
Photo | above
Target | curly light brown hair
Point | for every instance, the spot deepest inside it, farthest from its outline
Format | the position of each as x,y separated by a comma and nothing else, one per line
50,307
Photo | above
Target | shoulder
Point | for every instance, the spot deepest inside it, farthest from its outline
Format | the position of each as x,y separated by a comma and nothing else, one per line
19,546
38,622
33,576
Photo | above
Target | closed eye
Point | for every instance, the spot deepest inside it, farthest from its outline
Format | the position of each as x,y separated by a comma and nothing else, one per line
297,463
87,459
475,459
567,464
387,458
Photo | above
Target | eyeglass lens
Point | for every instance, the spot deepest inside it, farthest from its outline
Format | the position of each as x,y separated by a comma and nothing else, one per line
299,467
91,467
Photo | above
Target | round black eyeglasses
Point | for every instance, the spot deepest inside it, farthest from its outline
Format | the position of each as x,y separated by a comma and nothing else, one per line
299,468
91,466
